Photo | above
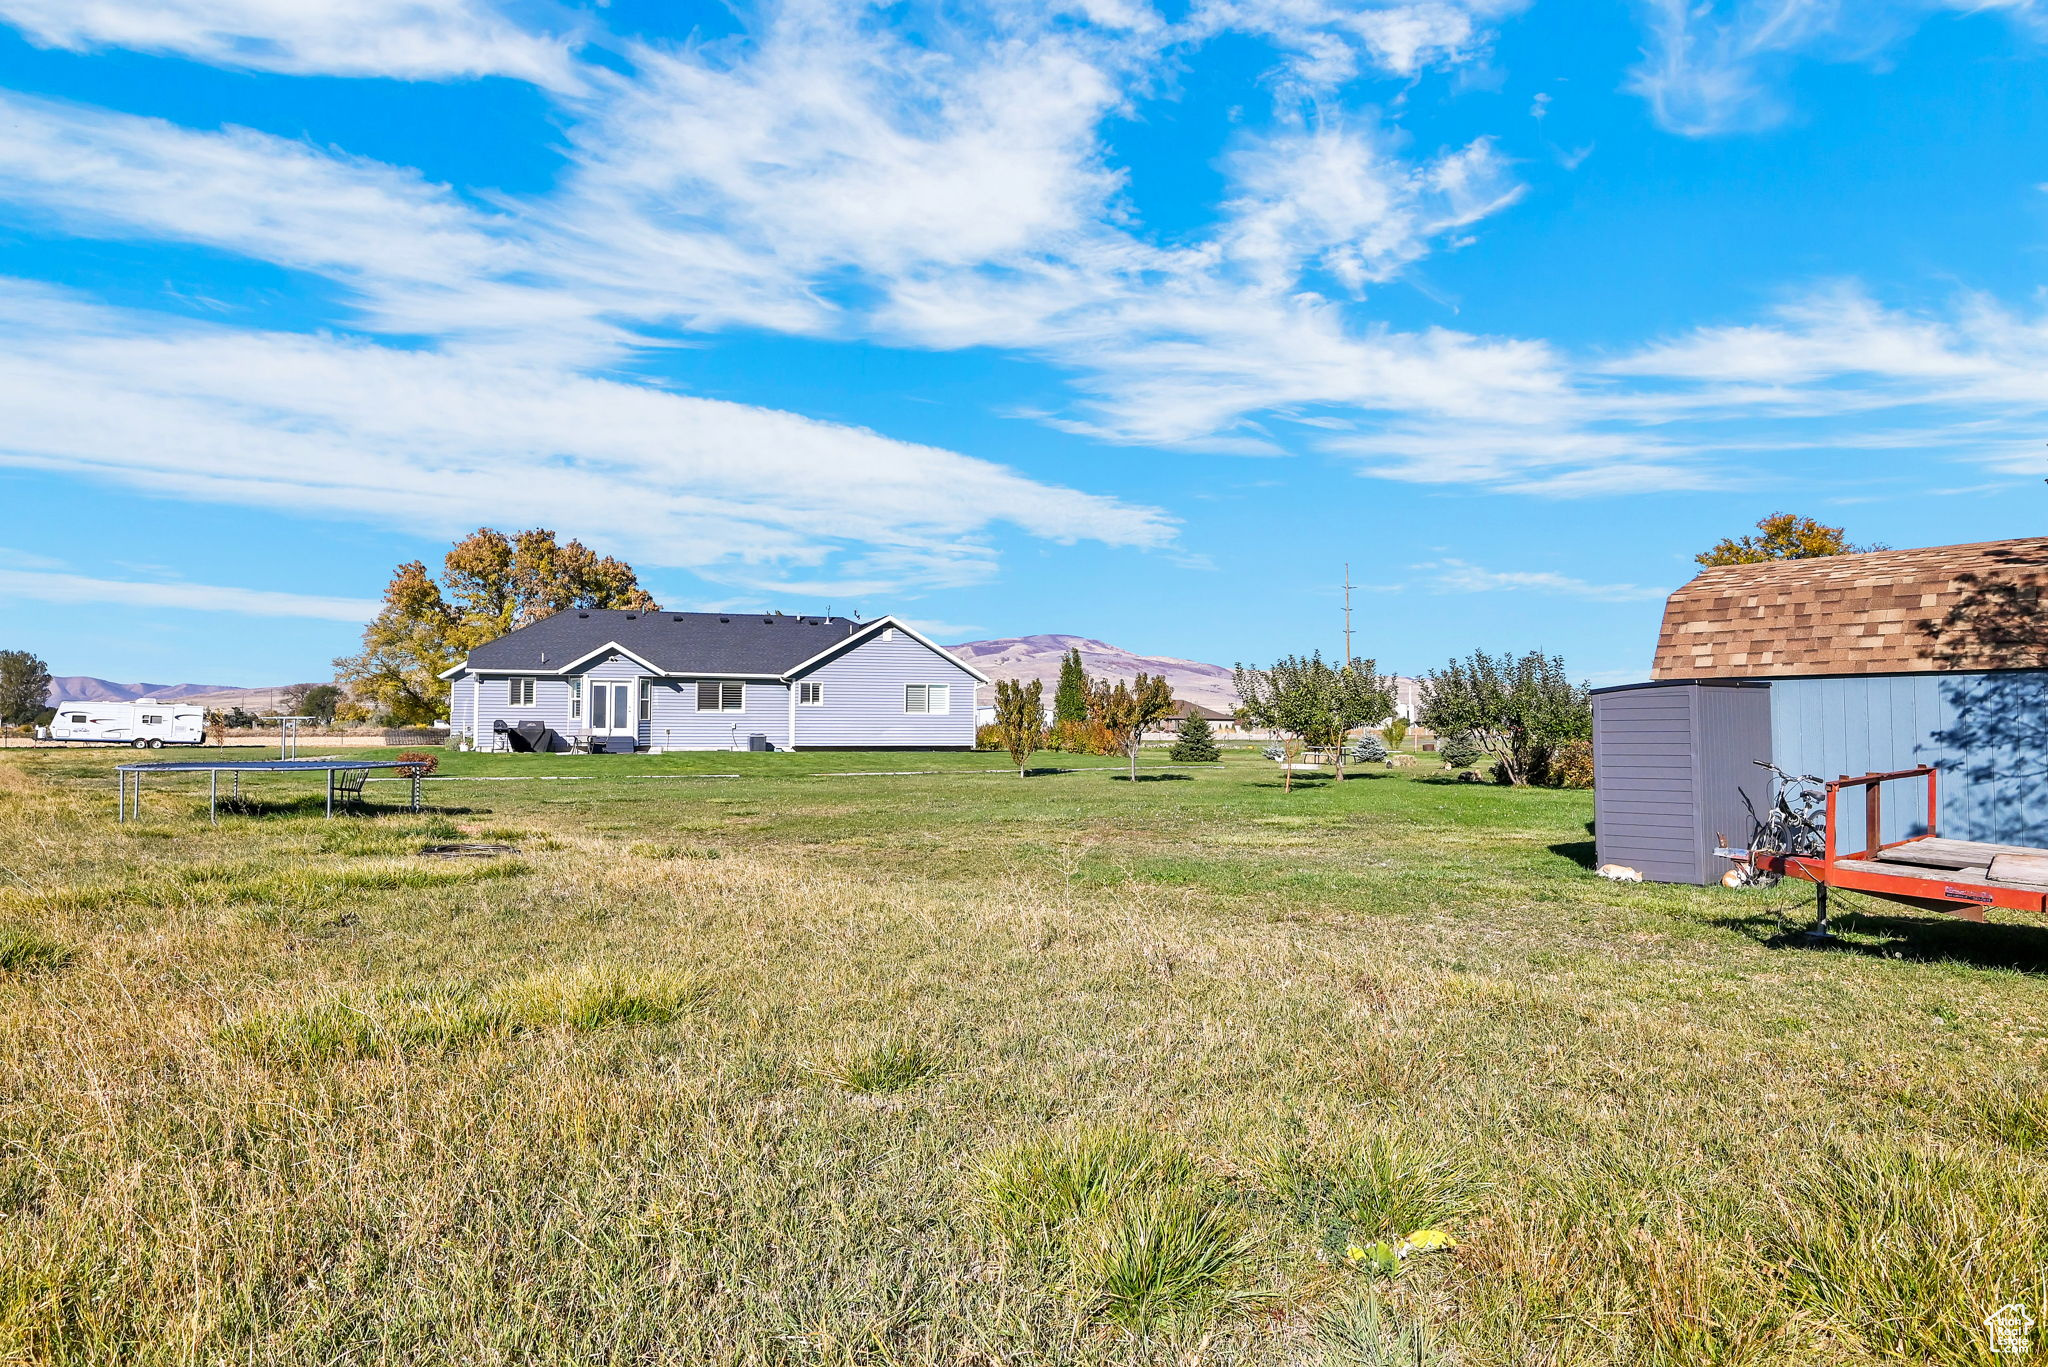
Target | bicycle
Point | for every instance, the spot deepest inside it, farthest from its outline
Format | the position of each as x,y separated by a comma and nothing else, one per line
1794,824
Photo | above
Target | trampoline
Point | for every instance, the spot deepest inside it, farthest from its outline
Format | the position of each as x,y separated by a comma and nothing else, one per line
345,776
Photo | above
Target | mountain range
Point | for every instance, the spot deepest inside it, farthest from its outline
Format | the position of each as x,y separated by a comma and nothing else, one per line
1038,657
85,688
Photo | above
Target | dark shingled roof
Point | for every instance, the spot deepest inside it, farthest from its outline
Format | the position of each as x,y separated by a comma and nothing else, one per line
674,642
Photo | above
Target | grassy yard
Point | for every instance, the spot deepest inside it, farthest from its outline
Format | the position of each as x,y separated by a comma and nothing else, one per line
820,1064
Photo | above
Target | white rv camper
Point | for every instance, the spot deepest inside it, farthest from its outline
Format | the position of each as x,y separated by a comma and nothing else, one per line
143,724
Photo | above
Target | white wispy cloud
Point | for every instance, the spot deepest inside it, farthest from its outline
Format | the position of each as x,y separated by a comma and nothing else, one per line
961,190
440,442
44,586
827,176
1329,42
1719,66
406,39
1458,576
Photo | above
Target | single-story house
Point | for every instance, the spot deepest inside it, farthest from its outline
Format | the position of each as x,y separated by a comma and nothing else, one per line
1834,666
1221,723
717,681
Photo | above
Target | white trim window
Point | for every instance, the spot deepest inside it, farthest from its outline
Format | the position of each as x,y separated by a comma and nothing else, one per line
575,699
810,695
935,699
646,698
519,692
714,695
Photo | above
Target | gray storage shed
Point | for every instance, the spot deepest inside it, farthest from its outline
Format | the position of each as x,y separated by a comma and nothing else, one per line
1676,775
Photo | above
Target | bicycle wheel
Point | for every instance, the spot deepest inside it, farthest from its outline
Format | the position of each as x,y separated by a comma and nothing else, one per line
1771,838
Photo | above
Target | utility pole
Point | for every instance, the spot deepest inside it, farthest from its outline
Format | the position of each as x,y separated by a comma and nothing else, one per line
1348,586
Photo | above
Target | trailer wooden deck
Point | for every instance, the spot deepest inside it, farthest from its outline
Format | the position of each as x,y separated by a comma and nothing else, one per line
1928,870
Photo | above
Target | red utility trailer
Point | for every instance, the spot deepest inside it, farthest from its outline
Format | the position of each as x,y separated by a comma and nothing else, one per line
1929,871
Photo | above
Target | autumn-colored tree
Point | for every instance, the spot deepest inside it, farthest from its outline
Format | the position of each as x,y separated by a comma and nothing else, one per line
490,584
497,583
405,648
1124,711
1782,536
1020,719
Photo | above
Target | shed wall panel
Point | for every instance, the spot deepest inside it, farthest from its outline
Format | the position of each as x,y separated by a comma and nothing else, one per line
1673,776
1986,734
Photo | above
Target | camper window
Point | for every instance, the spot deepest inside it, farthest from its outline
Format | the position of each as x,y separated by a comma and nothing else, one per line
78,717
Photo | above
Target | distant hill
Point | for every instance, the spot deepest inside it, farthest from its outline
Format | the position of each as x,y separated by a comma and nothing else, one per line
85,688
1038,657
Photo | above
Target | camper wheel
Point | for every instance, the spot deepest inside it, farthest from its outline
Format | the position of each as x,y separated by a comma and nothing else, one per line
138,744
156,742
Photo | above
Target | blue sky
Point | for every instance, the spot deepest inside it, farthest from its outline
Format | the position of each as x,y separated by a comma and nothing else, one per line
1131,320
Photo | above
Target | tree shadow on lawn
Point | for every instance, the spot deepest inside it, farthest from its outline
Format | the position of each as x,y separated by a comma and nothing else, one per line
1320,781
1152,778
1929,939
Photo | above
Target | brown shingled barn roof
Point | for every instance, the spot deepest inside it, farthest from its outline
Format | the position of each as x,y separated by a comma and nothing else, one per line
1843,614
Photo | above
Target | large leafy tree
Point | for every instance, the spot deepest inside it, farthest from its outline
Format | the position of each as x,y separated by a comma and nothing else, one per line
1020,719
490,584
1124,711
318,701
1070,698
1305,698
1781,536
1519,709
495,583
24,687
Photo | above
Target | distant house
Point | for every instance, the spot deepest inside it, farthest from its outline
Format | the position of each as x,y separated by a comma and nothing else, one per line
715,681
1222,723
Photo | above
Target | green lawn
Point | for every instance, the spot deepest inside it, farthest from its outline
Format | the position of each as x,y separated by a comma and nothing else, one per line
952,1067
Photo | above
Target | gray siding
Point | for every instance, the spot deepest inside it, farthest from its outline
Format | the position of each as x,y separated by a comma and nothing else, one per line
1673,776
863,698
459,695
678,725
550,706
1987,734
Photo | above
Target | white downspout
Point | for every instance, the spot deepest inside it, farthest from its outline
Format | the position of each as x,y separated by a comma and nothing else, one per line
791,689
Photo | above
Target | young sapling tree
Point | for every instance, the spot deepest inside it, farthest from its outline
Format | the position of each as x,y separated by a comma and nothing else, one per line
1125,711
1020,720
